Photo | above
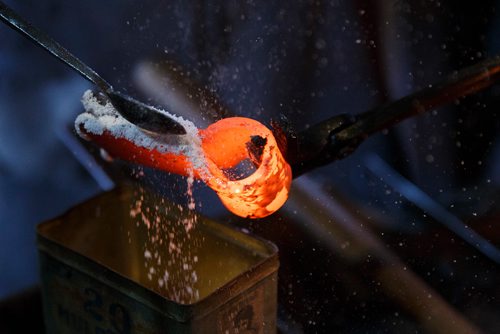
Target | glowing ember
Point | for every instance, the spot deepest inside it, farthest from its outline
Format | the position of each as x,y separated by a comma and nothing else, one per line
220,155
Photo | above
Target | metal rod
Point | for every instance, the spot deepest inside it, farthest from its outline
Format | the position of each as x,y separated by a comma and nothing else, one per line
136,112
21,25
459,84
337,137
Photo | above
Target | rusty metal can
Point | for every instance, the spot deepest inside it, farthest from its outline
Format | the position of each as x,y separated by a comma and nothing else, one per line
102,271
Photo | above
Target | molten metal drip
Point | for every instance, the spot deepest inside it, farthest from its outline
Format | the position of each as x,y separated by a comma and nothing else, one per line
225,144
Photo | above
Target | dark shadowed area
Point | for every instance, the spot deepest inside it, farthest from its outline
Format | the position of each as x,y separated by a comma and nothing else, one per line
402,233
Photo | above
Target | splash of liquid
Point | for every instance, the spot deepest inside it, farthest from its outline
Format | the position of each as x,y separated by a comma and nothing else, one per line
206,154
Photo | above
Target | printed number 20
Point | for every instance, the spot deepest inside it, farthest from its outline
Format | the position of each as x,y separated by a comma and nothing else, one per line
118,315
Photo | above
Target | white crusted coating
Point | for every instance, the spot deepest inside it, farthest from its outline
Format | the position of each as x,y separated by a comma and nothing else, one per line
98,118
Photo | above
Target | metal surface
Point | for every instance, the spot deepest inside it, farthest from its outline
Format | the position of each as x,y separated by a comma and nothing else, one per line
94,276
339,136
138,113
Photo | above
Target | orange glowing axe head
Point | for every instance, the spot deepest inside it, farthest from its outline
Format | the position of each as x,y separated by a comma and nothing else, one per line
226,144
208,154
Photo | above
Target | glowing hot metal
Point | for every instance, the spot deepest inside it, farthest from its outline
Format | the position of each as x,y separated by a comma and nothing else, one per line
224,145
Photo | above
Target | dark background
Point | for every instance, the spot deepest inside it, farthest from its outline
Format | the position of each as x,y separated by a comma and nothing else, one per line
308,60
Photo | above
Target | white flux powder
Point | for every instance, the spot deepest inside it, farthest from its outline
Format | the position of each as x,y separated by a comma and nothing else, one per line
171,250
180,285
102,116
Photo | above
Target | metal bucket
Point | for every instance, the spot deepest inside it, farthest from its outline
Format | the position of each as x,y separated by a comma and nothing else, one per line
104,271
